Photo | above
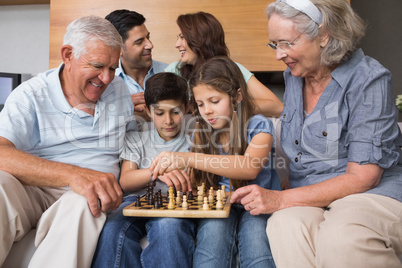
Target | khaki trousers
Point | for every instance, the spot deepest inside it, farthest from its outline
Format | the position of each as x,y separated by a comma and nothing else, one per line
67,233
360,230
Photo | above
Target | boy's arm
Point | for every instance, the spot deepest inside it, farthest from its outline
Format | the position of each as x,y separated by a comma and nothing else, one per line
132,178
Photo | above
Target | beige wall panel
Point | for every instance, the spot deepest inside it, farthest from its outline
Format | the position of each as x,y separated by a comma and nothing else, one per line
244,22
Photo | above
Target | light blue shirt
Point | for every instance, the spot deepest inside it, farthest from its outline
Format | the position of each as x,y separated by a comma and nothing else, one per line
353,121
142,147
133,86
174,68
267,178
38,120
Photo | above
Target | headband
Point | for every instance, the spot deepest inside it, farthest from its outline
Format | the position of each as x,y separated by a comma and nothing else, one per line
306,7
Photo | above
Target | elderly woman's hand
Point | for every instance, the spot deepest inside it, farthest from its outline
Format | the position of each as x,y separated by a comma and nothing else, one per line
257,200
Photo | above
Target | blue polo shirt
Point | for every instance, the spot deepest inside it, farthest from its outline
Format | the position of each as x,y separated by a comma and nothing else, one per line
133,86
38,119
353,121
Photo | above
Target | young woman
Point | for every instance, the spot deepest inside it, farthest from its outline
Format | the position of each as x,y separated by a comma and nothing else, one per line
230,147
200,38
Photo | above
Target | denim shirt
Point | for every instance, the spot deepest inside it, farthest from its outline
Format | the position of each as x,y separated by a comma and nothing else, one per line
267,178
353,121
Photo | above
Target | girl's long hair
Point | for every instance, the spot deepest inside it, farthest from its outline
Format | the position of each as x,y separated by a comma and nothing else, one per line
205,37
223,75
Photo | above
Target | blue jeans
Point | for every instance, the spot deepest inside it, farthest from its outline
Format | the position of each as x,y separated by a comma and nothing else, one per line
219,240
171,241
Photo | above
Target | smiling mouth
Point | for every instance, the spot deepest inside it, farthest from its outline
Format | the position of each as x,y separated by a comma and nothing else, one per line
95,85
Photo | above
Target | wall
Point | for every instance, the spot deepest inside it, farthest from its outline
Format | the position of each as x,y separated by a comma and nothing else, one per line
383,39
24,35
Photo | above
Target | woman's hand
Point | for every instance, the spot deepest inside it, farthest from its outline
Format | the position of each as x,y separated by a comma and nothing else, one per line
257,200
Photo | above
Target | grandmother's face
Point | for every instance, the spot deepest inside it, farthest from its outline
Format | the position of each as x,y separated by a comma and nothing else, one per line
303,55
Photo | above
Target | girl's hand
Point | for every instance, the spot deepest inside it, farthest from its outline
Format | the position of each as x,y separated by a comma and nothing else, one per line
256,199
167,162
177,178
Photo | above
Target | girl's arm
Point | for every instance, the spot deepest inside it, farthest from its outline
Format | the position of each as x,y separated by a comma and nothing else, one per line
242,167
356,179
267,103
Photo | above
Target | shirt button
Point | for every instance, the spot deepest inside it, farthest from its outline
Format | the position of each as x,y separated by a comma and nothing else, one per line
296,159
297,142
284,116
324,133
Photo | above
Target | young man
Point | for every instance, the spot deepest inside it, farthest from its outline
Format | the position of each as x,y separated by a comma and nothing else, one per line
171,240
136,64
60,136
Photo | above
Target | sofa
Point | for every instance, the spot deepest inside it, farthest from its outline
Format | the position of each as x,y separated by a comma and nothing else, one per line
23,250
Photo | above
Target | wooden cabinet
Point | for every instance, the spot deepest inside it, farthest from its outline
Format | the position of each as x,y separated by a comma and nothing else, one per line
244,22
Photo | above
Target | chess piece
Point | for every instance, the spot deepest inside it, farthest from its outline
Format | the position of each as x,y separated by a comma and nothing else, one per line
205,206
200,193
223,191
219,204
190,195
211,195
178,198
137,201
184,204
171,204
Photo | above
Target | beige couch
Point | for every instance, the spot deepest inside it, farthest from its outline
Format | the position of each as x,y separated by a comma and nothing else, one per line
23,250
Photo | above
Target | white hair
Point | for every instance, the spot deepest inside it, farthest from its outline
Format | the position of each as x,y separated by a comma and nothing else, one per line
88,28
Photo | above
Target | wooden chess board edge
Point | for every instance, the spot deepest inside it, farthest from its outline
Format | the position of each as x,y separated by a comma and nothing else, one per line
179,212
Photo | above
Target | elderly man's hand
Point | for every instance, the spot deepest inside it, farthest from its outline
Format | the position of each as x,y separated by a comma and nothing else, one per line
100,189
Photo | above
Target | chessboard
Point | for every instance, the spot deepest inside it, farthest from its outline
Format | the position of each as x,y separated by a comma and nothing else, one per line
214,204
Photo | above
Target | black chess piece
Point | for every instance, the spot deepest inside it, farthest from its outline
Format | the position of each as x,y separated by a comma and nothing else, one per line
190,195
137,201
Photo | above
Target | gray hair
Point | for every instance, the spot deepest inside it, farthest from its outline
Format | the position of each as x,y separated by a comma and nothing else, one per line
84,29
344,27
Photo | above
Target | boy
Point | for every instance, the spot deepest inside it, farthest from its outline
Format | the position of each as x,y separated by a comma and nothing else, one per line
171,240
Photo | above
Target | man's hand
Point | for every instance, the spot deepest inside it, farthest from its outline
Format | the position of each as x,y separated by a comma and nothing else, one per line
139,106
98,187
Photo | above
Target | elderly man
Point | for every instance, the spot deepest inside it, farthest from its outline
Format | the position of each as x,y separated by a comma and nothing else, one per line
136,64
60,136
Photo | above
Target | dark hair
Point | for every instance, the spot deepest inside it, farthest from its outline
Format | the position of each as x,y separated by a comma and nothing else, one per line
205,37
165,86
124,20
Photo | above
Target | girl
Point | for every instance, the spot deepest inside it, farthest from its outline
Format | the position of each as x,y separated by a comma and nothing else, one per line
223,153
200,38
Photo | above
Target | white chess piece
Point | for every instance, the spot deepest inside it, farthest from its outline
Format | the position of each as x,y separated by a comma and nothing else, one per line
205,206
185,204
219,200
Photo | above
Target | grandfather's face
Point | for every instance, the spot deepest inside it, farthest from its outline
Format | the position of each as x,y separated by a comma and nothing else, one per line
93,72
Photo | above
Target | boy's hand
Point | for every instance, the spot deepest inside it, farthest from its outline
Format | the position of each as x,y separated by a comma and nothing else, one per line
177,178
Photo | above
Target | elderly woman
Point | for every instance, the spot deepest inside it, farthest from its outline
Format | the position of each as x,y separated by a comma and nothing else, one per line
339,131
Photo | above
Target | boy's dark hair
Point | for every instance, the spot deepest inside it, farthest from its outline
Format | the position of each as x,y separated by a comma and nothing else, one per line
165,86
124,20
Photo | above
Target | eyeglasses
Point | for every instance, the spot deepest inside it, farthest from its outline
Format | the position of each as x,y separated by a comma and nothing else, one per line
283,45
